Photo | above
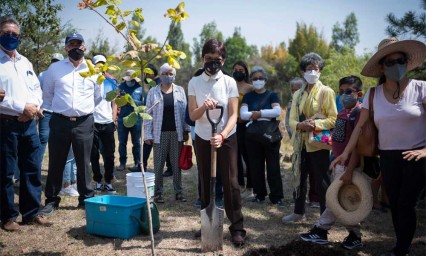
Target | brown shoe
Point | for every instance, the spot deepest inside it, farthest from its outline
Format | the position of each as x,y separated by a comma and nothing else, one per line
40,220
238,238
11,226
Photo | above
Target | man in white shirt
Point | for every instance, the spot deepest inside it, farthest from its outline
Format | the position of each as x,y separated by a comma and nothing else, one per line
105,118
72,98
18,131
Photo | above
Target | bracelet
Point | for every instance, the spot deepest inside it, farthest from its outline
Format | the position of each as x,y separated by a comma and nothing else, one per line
222,137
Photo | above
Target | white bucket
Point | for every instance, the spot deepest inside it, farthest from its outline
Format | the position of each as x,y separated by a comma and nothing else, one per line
135,187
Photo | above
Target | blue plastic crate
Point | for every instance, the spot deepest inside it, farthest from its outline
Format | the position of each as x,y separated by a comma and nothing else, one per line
111,215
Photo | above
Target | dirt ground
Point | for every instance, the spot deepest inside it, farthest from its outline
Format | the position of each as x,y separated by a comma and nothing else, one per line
266,234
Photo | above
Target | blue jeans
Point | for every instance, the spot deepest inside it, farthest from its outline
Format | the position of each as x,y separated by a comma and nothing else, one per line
19,143
43,131
123,135
70,170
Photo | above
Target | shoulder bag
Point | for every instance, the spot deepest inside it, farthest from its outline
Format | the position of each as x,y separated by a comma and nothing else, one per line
264,132
320,139
367,144
185,157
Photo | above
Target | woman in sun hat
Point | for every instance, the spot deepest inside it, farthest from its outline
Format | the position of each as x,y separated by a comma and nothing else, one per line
400,117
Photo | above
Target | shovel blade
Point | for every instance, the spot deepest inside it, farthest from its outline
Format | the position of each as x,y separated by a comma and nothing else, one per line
211,228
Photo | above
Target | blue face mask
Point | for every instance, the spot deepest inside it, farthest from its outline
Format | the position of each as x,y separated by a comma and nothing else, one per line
130,83
9,41
167,80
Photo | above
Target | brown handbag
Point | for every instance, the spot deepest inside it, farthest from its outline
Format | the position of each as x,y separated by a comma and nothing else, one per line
367,144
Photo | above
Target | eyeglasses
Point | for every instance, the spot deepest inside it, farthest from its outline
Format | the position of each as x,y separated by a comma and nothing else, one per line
390,63
257,78
349,91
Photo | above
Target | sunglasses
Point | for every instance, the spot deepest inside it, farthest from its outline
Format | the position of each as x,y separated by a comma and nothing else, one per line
390,63
258,78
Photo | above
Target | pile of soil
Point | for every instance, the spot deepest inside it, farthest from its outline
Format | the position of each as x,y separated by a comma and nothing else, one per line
296,248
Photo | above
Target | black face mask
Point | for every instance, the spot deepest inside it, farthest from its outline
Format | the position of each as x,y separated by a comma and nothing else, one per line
212,67
239,76
76,54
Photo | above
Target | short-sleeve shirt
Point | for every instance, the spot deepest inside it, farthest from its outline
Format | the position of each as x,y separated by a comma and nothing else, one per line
401,126
219,87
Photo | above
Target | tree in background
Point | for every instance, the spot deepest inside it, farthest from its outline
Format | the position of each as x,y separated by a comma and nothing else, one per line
209,31
237,49
41,30
409,26
346,35
177,41
307,39
100,45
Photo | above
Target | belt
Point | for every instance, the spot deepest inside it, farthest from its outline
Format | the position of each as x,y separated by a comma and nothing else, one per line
72,118
9,117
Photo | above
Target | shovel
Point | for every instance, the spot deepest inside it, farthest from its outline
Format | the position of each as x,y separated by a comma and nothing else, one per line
212,216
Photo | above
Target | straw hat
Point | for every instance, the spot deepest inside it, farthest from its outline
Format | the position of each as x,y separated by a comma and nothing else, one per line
350,203
128,76
415,51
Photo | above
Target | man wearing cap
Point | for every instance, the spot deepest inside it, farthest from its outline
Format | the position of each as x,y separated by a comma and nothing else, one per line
132,87
73,99
45,114
18,136
105,117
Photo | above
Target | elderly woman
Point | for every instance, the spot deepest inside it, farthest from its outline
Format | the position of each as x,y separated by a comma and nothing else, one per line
262,105
167,129
400,117
309,159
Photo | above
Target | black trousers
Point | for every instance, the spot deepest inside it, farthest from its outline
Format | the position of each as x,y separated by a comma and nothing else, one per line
258,155
103,133
404,181
243,156
227,163
316,162
63,133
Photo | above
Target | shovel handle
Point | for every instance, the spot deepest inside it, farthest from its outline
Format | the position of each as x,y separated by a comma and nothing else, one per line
214,124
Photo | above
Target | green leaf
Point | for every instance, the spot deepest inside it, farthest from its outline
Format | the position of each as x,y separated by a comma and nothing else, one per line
121,101
126,13
110,10
110,58
114,20
148,71
130,120
100,79
111,95
131,101
114,68
137,73
134,23
152,83
145,116
121,26
169,47
140,109
129,63
105,67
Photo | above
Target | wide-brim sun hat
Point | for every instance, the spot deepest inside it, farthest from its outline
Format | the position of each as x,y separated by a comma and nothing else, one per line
128,76
352,203
415,51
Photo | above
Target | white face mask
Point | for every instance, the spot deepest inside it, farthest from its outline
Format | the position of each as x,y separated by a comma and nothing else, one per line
311,76
259,84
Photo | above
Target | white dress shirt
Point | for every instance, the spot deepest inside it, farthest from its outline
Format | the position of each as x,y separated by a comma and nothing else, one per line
103,111
19,81
66,92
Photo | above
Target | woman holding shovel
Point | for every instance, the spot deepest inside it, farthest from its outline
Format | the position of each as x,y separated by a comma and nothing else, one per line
206,92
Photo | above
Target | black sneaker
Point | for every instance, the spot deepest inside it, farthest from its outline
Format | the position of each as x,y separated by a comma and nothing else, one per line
352,241
315,235
109,189
48,209
168,173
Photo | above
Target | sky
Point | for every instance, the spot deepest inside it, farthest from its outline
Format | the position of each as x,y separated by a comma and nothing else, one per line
262,22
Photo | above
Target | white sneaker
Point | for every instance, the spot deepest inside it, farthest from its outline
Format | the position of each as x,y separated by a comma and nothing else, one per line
294,217
247,193
68,191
